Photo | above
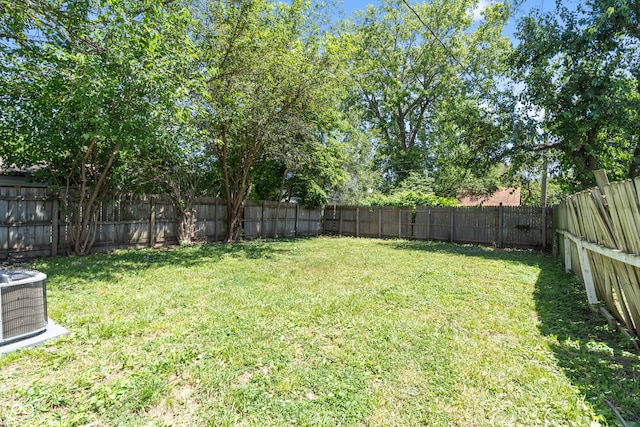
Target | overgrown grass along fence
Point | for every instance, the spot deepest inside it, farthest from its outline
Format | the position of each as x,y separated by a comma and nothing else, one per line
37,223
600,243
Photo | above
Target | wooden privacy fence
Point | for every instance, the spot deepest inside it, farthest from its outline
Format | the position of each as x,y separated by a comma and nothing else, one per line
145,220
600,242
26,221
503,226
273,219
36,222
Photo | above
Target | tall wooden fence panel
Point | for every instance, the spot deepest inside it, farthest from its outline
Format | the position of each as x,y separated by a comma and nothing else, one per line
599,240
439,224
210,215
272,219
124,222
36,222
479,225
254,223
279,219
348,220
309,222
396,222
525,227
331,220
164,228
26,216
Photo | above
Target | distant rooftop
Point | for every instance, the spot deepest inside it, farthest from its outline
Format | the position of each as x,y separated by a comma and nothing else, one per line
12,176
505,197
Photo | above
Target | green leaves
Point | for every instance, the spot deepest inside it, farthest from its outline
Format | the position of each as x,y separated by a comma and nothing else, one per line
83,89
265,96
407,80
579,69
410,199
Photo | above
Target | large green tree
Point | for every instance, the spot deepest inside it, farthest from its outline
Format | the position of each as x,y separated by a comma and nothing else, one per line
415,65
264,81
579,69
83,87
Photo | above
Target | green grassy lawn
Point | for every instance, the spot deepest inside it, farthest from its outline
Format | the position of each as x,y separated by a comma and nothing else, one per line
320,332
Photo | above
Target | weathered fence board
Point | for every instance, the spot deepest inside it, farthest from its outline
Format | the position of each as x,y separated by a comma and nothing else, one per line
477,225
331,220
254,220
348,220
599,240
279,220
309,221
25,221
369,221
269,219
440,224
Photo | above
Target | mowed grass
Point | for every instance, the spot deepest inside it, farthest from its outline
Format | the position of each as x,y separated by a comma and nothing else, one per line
320,332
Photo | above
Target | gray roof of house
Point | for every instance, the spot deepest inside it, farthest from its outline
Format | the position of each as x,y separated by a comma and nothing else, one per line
19,181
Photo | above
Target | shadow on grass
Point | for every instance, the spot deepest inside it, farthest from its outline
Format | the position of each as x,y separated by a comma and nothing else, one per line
528,257
109,266
598,360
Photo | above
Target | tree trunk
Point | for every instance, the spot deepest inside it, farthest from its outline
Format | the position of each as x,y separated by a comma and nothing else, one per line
90,194
182,197
236,197
275,228
584,161
235,209
236,179
186,224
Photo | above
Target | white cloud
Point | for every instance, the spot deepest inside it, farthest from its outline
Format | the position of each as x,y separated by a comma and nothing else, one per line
479,8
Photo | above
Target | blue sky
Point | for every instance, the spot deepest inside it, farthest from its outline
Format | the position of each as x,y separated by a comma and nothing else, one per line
350,6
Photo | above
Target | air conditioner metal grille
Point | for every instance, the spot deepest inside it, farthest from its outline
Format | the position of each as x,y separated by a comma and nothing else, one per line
23,305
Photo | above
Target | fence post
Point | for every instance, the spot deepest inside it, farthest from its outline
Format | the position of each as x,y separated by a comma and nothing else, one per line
262,219
586,274
152,222
544,227
55,212
399,223
340,227
295,225
429,224
452,225
601,179
379,222
358,222
555,242
215,219
567,253
500,224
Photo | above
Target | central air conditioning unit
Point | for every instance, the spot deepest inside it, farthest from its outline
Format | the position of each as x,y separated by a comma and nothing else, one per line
23,304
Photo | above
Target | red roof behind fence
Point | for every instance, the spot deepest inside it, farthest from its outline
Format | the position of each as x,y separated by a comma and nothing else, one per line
505,197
